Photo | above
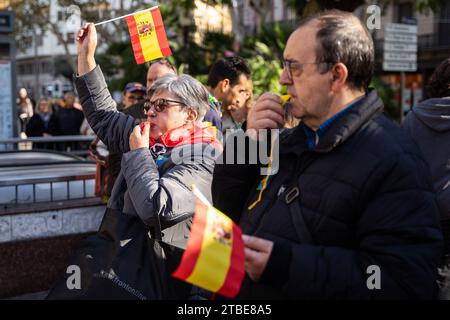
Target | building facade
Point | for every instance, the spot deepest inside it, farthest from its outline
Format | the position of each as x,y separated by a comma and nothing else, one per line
433,47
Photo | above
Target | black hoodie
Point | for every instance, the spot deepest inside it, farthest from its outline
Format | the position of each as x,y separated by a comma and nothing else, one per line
429,126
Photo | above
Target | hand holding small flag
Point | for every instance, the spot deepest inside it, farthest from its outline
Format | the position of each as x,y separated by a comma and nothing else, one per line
257,254
87,40
86,45
214,256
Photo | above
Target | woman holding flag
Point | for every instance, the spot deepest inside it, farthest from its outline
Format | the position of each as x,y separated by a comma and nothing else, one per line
164,156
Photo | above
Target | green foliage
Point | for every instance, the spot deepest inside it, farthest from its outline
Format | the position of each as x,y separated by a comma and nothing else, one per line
264,53
273,35
119,65
386,94
203,78
265,75
215,44
266,69
425,6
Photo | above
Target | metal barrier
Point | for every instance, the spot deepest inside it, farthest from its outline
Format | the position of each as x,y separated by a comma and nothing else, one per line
59,192
29,178
77,145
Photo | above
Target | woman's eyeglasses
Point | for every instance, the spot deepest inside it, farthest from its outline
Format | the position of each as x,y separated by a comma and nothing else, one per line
159,105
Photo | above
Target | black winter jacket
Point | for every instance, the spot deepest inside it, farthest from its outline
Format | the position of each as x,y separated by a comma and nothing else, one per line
66,122
429,125
36,127
366,199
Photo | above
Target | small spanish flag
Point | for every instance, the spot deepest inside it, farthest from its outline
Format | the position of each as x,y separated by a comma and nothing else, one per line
214,256
148,36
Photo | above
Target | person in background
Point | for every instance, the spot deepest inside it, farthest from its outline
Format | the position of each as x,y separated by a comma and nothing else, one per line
38,126
234,116
229,81
24,109
134,92
429,125
67,121
158,69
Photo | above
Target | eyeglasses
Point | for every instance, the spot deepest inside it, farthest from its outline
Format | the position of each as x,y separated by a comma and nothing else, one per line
291,65
159,105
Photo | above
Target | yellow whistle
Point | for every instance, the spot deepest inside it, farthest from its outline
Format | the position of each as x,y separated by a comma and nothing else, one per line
285,98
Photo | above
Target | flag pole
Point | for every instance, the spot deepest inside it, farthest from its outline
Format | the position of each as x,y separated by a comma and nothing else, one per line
200,195
127,15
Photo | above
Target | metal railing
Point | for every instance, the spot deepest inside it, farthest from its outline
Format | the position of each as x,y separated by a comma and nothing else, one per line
46,193
77,145
82,193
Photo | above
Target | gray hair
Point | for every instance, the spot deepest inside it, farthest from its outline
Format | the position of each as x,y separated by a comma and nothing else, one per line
187,89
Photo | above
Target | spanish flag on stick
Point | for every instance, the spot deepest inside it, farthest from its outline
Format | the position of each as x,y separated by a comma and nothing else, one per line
147,33
148,36
214,256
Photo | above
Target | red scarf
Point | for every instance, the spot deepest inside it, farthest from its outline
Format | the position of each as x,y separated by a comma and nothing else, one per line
188,134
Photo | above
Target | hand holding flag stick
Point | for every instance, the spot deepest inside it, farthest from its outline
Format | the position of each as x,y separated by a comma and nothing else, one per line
86,45
87,48
214,256
257,254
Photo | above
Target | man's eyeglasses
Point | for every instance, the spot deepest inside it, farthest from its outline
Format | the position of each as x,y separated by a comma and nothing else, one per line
160,104
291,65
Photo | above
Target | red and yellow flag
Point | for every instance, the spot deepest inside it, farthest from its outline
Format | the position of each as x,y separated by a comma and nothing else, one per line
214,256
148,36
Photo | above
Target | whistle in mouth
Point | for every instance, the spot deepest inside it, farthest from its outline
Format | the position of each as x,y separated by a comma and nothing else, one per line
285,98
